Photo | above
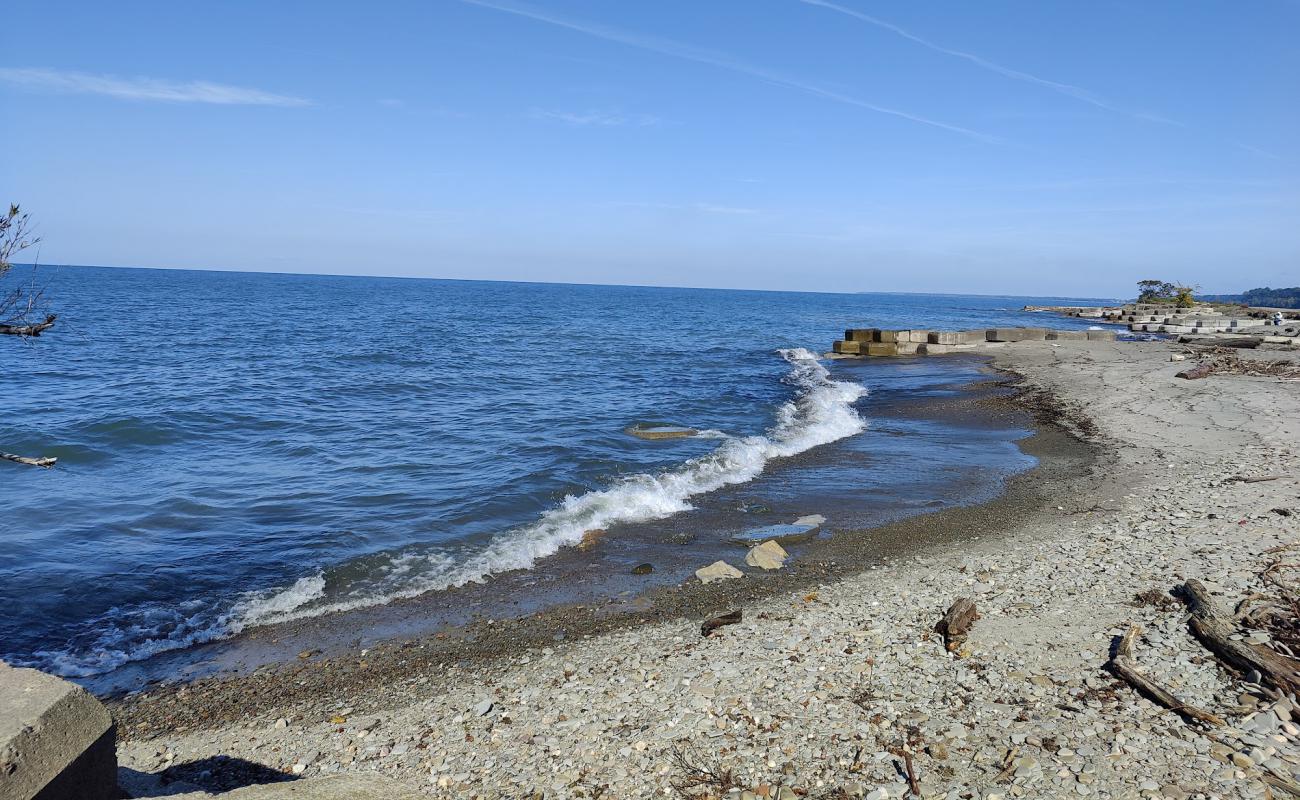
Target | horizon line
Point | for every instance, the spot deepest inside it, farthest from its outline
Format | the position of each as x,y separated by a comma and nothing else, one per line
237,271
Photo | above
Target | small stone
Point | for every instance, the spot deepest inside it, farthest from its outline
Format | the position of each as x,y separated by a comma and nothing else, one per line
281,723
768,555
718,571
643,569
483,708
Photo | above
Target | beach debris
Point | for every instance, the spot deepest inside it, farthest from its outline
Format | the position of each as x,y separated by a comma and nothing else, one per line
483,707
712,624
1253,478
32,462
305,654
1124,667
655,432
643,569
591,538
811,519
1219,634
1195,373
768,555
1177,357
718,571
34,329
956,623
1221,360
693,776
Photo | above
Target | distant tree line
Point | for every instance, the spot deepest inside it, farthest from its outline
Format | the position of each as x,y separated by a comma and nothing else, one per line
1270,298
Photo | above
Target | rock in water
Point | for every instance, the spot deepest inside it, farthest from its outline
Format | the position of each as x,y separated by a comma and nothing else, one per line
811,519
660,431
768,555
591,538
717,571
643,569
782,534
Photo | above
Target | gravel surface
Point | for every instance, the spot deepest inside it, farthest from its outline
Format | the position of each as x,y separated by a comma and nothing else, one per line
823,687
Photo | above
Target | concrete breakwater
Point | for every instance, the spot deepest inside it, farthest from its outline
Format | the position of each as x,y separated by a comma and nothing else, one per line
878,342
1200,320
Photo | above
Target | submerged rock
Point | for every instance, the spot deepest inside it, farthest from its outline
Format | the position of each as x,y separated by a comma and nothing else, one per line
781,534
718,571
643,569
660,431
768,555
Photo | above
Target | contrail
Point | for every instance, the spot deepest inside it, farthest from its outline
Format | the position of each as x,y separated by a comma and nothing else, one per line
1069,90
676,50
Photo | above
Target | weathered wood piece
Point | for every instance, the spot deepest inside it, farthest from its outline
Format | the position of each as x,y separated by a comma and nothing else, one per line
1215,631
35,462
956,622
711,625
1197,372
1253,479
1123,665
1247,342
29,330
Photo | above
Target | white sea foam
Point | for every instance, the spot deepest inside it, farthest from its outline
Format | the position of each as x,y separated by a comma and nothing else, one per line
820,412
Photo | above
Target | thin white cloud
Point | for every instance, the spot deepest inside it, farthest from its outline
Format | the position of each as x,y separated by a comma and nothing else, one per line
143,89
676,50
604,119
1069,90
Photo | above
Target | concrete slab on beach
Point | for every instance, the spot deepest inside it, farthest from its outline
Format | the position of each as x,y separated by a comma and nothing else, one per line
56,741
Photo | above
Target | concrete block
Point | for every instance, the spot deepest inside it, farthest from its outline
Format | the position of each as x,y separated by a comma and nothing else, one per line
56,741
1066,335
861,334
919,337
944,337
891,337
371,786
907,348
882,349
974,337
848,348
1016,334
1101,336
944,349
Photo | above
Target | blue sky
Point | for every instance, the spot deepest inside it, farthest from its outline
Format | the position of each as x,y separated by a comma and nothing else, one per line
1020,147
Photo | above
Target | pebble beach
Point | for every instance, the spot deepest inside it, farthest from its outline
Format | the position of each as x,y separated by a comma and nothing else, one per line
836,685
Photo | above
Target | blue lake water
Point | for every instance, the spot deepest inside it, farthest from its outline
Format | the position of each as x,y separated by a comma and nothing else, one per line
239,449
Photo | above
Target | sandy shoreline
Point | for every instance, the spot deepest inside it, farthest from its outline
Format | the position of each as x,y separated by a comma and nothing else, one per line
835,664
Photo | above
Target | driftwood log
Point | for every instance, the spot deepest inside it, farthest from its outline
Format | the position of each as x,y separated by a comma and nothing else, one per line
711,625
35,462
956,623
29,330
1197,372
1215,631
1123,665
1247,342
